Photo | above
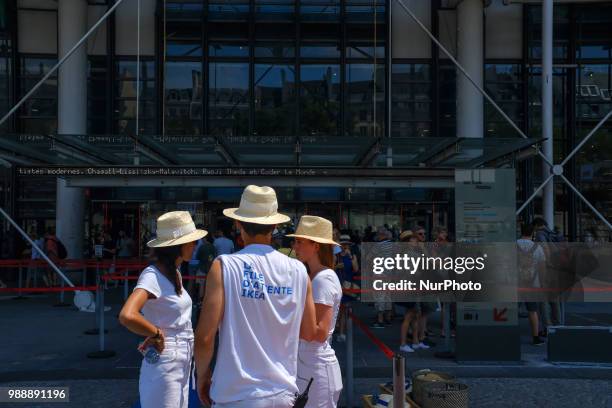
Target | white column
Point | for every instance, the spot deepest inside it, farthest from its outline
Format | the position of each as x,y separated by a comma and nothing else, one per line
72,118
548,197
470,54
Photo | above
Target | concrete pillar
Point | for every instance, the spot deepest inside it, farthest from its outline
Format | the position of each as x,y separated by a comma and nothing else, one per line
69,216
470,54
72,118
548,196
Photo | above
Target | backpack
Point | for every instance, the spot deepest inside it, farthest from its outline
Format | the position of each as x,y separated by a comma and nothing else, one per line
527,265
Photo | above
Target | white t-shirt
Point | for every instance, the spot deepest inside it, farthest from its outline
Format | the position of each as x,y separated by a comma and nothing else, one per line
224,245
265,293
168,311
326,290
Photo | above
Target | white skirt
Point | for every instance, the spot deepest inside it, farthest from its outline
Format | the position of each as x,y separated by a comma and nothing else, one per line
165,384
324,368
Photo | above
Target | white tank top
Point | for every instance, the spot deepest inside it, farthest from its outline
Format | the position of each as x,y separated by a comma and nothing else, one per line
265,292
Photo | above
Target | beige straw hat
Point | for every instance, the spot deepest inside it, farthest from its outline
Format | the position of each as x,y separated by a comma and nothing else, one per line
175,228
316,229
405,235
258,205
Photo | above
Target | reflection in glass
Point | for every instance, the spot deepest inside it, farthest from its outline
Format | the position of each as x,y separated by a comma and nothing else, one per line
124,111
593,92
319,99
218,49
39,113
504,84
179,49
228,99
274,100
4,87
322,12
183,98
411,100
323,50
274,50
364,107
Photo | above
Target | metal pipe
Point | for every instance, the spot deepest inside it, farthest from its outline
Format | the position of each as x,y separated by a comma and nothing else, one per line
470,53
35,247
548,205
534,194
59,63
583,198
464,72
399,381
389,71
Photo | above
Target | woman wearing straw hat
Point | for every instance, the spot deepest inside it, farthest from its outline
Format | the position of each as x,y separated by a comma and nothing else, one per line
317,359
166,305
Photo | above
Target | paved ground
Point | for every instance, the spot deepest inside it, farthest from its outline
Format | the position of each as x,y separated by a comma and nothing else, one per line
484,392
45,345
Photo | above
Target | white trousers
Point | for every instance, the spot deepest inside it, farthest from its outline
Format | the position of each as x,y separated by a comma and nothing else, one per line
282,400
165,384
324,368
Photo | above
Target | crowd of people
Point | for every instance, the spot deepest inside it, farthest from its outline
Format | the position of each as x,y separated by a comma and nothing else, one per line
274,314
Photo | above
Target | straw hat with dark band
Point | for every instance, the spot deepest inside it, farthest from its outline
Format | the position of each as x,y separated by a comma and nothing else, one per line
258,205
175,228
316,229
405,235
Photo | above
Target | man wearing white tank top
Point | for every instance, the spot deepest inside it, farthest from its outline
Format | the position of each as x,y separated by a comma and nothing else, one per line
261,303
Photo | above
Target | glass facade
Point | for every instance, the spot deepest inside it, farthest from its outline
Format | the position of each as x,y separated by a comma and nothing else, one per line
295,69
582,83
274,68
38,115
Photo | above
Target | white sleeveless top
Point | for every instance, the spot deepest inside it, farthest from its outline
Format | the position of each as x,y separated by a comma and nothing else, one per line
265,292
326,290
168,311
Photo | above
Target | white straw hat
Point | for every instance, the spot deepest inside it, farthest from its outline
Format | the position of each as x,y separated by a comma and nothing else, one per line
316,229
258,205
175,228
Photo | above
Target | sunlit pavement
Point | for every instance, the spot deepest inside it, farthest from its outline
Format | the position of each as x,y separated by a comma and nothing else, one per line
45,345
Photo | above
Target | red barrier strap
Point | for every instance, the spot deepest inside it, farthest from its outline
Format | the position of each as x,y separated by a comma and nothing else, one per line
115,276
382,346
51,289
75,263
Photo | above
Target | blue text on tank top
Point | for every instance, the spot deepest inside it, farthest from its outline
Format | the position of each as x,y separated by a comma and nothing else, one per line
254,285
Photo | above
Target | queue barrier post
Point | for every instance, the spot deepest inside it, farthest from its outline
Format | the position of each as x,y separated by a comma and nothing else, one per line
96,330
61,297
125,285
102,352
399,381
349,357
447,325
20,284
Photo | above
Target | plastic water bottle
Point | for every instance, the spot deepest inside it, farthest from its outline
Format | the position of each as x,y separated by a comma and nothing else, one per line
151,355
